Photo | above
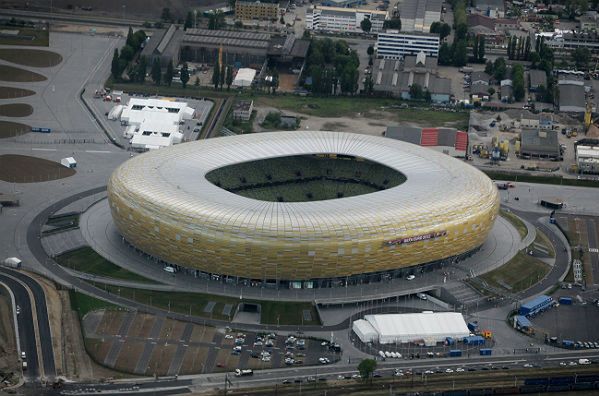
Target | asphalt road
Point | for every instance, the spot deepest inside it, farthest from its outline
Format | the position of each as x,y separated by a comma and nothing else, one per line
42,321
25,323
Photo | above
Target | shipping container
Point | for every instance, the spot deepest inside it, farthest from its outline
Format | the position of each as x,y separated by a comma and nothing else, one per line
449,341
486,352
472,326
565,300
474,340
455,353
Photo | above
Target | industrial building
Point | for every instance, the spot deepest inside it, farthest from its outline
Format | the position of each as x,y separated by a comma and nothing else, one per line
537,143
419,15
395,78
506,91
394,44
490,8
243,110
257,10
164,45
587,158
427,327
308,186
448,141
536,79
338,19
154,123
571,97
244,78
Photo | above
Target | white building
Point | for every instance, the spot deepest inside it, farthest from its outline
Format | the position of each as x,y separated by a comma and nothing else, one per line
154,123
402,328
337,19
419,15
394,44
587,158
244,77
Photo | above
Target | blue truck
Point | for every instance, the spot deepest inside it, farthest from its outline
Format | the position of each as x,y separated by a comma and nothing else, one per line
568,343
474,340
473,327
565,300
449,341
455,353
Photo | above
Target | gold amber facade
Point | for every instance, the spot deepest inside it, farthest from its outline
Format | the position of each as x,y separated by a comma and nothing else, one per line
162,204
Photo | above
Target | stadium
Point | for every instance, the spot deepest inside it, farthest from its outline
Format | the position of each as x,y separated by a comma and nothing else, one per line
302,209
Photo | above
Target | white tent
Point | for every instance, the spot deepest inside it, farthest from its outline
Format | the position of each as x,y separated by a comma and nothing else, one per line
365,331
244,77
115,112
69,162
430,327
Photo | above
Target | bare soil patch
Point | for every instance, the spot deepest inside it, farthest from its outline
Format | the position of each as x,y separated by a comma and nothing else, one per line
142,325
30,57
229,361
193,361
161,359
204,334
13,129
10,73
25,169
16,110
13,93
129,355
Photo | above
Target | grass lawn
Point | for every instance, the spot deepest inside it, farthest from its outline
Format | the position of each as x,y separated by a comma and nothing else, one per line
13,129
520,273
30,57
543,241
82,303
13,93
85,259
29,36
16,110
238,126
14,74
516,222
174,90
288,313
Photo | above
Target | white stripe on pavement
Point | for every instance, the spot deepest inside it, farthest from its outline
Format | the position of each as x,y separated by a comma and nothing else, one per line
43,149
98,151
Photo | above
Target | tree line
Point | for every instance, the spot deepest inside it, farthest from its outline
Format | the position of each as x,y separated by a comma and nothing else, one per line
333,67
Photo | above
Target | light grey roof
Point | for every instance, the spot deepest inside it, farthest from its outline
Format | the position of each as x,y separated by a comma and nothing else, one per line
490,4
438,85
227,38
506,91
478,88
537,78
405,133
413,9
480,76
571,95
173,179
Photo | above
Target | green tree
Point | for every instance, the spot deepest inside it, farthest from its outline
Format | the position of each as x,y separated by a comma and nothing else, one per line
393,23
366,25
366,368
168,75
216,75
196,82
127,53
499,69
368,85
489,68
222,75
229,78
416,92
445,55
481,49
461,31
188,21
581,57
216,20
184,75
115,67
130,40
282,20
444,31
156,71
475,48
527,46
534,59
140,70
427,96
518,82
435,27
370,50
460,54
166,15
491,91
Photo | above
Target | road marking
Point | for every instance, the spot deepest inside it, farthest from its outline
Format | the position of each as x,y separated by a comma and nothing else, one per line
42,149
98,151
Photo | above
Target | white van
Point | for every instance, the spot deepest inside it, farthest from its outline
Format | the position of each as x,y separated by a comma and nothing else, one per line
170,269
584,361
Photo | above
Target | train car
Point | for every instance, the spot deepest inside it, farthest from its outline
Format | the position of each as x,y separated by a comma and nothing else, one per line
480,392
583,386
566,380
511,390
587,378
536,381
532,388
461,392
559,388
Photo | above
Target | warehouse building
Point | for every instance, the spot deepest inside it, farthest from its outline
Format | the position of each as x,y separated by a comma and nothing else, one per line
571,98
412,327
419,15
243,110
587,158
154,123
164,45
448,141
536,79
537,143
394,44
337,19
257,10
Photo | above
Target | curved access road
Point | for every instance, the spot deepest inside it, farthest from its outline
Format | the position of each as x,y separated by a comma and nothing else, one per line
43,322
25,327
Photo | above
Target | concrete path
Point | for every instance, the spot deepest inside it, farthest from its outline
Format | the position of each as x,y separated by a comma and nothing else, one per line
180,352
144,358
61,242
117,345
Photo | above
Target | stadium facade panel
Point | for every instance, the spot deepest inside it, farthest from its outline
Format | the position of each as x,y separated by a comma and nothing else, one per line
162,204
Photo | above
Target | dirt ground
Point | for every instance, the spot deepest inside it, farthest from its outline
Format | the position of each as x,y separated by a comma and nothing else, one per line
194,359
13,129
13,93
24,169
142,325
9,362
129,355
16,110
107,30
161,359
287,82
14,74
133,9
202,334
30,57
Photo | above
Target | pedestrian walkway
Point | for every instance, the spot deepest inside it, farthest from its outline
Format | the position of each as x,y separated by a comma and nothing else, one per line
60,242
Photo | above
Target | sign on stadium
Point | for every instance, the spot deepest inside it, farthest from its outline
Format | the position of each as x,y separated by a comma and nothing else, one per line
417,238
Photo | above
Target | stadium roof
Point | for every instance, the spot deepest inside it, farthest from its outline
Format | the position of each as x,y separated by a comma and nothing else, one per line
175,178
431,327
